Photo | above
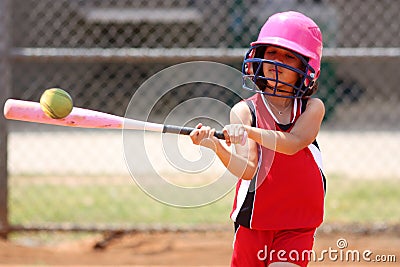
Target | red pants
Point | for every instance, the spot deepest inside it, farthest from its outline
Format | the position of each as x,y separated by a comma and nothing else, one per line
254,248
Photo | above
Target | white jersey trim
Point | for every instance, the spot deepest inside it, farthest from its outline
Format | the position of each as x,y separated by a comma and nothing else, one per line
234,237
316,154
294,111
260,159
241,196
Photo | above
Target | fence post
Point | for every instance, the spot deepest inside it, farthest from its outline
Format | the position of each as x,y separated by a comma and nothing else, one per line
5,83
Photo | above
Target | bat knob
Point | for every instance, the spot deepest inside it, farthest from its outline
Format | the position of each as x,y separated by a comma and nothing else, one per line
8,108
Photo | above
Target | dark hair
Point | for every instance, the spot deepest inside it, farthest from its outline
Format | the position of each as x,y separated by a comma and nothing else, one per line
259,53
313,89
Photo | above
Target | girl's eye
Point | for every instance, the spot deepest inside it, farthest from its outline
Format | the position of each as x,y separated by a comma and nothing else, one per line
289,56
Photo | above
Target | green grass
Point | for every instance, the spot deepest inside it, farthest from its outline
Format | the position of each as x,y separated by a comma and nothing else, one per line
347,201
118,204
363,201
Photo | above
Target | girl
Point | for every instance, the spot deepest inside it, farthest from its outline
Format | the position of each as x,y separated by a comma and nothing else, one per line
280,192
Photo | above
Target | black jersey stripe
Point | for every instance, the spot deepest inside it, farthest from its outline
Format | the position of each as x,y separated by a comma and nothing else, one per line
246,210
252,108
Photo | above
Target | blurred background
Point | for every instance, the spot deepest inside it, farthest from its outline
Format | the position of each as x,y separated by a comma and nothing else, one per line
101,51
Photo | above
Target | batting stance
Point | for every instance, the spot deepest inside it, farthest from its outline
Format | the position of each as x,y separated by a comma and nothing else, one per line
279,199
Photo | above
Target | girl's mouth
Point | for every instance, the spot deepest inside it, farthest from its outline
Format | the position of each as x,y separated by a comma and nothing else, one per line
274,71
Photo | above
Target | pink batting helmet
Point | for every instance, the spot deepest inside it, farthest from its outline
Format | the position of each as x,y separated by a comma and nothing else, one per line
294,31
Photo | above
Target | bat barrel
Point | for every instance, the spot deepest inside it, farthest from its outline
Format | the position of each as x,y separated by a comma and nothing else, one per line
85,118
30,111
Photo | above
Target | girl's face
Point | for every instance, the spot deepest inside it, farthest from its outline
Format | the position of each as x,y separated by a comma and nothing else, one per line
285,75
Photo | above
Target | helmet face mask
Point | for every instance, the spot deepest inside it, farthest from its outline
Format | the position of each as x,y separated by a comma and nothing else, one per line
255,80
295,33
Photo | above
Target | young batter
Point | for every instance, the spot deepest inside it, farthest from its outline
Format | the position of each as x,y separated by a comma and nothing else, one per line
279,199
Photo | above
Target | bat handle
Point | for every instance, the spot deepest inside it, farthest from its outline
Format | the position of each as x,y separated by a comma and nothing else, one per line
187,130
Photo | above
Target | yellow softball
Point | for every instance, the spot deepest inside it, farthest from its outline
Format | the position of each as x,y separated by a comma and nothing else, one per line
56,103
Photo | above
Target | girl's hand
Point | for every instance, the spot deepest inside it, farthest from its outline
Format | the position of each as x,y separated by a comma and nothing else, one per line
204,136
235,134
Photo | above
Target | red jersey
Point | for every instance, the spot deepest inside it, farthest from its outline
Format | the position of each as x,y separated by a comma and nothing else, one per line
287,191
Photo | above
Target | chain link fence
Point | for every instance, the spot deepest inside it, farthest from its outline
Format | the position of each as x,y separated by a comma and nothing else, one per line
101,52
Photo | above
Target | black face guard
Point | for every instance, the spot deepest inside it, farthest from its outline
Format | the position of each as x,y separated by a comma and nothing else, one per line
253,77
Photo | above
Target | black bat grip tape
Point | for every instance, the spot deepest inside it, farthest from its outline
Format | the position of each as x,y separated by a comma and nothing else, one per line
187,131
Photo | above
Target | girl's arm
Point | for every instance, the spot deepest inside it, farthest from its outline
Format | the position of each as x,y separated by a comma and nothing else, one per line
302,134
243,163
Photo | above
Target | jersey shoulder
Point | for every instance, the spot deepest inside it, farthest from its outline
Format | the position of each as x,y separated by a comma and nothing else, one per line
240,113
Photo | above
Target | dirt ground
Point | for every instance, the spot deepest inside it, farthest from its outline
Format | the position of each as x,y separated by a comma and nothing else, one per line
185,249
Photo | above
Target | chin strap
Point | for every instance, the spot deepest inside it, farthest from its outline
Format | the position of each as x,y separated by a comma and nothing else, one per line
278,90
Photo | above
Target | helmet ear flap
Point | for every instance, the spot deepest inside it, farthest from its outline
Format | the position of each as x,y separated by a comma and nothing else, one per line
314,77
248,67
317,75
312,86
